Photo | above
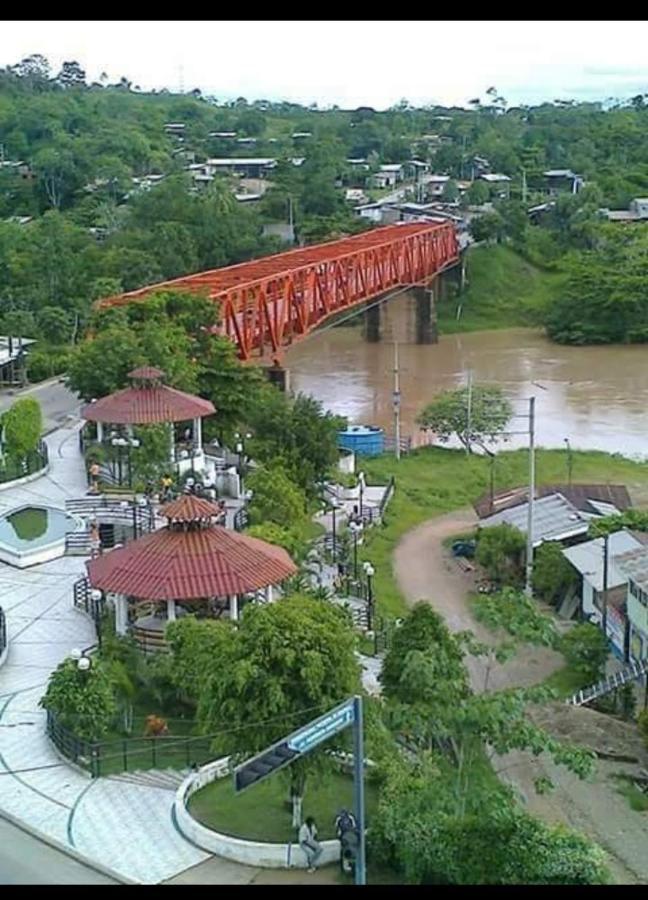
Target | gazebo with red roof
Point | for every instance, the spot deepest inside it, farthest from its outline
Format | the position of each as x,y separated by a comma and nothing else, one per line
191,560
149,401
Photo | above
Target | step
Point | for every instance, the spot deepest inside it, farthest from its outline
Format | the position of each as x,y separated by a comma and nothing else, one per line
166,779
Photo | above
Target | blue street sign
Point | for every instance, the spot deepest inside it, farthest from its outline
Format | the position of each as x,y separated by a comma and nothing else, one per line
322,729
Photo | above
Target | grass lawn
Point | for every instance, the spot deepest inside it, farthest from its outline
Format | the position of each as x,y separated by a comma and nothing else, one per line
264,813
432,481
637,800
504,290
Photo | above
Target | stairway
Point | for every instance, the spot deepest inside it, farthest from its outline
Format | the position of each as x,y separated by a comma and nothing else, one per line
167,779
630,673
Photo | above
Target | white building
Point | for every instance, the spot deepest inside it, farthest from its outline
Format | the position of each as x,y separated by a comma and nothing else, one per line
588,560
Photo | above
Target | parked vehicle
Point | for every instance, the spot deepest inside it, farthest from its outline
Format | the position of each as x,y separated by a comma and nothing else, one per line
464,548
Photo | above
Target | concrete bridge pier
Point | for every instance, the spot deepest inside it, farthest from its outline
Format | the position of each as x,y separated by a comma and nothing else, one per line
371,323
427,331
279,376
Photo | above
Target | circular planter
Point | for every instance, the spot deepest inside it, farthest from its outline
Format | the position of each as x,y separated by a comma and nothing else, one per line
250,853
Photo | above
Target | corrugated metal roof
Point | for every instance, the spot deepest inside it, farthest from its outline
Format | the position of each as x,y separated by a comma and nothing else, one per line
553,519
635,565
579,495
147,405
177,564
587,558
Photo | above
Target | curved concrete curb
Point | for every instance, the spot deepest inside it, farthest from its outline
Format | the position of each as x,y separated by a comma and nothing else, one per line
250,853
6,485
64,848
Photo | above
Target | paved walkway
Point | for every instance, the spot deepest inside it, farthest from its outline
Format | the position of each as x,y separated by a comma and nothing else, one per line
126,827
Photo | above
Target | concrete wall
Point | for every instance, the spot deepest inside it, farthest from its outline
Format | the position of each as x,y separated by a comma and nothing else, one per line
251,853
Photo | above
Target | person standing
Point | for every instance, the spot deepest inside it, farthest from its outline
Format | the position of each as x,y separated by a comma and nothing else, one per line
95,470
309,843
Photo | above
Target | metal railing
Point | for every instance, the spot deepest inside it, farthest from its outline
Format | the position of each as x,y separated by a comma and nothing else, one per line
3,631
389,493
631,672
35,461
241,519
129,754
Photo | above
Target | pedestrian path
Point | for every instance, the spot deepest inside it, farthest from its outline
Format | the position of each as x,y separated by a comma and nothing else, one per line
125,826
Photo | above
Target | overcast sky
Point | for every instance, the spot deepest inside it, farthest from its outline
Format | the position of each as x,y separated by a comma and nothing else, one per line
352,63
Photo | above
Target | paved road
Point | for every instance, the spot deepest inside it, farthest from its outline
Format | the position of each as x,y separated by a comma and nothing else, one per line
56,401
26,860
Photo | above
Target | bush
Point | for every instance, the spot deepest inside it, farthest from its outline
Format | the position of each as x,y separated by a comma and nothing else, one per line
22,425
500,551
281,536
43,364
553,576
83,702
585,649
642,722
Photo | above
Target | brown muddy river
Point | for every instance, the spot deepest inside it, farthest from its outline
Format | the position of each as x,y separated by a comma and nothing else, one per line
597,397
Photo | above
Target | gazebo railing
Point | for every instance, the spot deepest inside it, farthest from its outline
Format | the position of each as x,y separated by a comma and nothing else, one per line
129,754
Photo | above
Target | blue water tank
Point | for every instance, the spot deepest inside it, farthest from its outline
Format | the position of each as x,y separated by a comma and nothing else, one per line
365,440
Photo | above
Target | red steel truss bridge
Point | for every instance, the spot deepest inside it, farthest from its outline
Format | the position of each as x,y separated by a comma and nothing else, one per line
267,304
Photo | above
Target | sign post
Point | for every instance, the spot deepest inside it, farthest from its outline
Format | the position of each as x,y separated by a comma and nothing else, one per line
301,742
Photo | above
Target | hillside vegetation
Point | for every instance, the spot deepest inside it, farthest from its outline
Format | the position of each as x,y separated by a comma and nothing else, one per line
503,291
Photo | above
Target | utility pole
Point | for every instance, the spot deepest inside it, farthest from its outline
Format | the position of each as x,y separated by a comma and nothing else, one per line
524,187
528,586
606,542
397,401
469,414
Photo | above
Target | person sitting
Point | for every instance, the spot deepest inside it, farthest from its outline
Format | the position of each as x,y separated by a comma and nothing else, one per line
309,843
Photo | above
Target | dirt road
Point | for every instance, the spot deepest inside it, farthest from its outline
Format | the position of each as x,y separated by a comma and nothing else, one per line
425,571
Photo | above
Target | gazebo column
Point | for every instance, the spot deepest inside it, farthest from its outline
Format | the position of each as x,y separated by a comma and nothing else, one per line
234,611
268,594
171,610
121,614
197,433
171,442
100,433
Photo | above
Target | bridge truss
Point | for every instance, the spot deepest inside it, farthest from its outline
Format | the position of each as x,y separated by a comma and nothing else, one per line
267,304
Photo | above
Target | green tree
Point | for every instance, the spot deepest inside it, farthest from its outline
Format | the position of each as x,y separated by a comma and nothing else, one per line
275,497
418,830
288,538
633,519
553,576
520,617
500,550
22,427
450,192
83,702
474,416
196,647
488,227
478,193
285,664
55,324
586,650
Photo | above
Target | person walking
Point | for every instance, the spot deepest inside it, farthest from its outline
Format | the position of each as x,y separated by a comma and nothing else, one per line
95,540
309,843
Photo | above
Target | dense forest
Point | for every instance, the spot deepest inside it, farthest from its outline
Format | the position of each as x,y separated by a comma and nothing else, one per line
81,217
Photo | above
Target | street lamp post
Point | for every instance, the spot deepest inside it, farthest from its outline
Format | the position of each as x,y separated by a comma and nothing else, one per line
570,461
369,572
361,485
356,529
240,451
95,600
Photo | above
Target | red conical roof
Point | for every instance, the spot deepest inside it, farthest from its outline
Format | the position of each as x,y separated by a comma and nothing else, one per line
190,564
189,508
147,403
